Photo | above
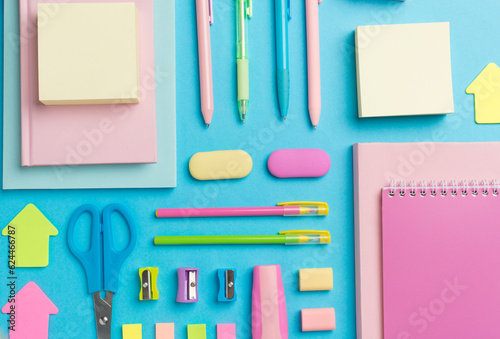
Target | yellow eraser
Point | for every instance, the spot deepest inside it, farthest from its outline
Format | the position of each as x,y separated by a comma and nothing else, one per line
219,165
88,53
316,279
133,331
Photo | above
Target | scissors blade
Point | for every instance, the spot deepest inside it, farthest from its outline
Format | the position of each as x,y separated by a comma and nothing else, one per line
102,309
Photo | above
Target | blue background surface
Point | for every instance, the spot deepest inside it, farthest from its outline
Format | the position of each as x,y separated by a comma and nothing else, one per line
474,31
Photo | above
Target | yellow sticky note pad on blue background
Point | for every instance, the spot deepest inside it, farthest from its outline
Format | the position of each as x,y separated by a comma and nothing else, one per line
88,53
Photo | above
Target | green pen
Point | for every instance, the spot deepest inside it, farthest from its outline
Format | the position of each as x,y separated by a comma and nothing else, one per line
301,237
243,12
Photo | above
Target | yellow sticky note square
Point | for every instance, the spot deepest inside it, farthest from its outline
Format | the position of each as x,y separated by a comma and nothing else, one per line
133,331
88,53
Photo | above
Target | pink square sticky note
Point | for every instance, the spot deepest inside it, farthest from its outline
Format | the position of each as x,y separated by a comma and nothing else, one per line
226,331
165,331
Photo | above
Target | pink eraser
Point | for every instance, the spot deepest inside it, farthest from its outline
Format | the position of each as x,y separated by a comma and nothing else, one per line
299,163
164,331
318,319
269,319
226,331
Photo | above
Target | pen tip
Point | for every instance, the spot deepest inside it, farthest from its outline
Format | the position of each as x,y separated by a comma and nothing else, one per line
284,118
315,127
243,120
208,125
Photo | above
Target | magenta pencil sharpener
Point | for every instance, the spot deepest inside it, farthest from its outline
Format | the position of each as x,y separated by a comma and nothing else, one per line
187,289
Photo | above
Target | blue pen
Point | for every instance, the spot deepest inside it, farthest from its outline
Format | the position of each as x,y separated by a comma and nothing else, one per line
283,13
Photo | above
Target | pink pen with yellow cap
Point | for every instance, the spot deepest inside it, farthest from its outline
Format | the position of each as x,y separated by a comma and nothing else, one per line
294,208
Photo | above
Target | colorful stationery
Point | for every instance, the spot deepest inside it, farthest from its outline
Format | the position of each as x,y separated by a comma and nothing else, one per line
132,331
227,290
219,165
375,165
28,234
160,174
226,331
243,13
101,261
313,66
97,134
164,331
404,69
282,14
440,253
486,95
30,310
197,331
269,316
205,17
299,163
318,319
316,279
88,53
298,208
303,237
149,290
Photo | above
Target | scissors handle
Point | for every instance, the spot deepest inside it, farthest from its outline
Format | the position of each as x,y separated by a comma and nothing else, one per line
92,258
113,259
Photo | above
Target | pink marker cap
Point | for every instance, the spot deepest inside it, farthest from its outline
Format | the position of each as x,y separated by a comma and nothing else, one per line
269,318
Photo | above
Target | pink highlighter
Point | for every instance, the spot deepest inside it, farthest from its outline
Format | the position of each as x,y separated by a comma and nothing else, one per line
269,319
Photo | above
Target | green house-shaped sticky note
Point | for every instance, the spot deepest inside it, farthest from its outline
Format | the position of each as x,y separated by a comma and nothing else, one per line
30,231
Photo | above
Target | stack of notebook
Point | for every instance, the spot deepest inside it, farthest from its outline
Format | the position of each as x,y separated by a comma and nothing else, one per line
426,247
99,145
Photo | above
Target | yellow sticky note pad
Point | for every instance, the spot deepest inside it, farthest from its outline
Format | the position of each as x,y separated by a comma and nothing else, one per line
29,234
88,53
133,331
486,90
316,279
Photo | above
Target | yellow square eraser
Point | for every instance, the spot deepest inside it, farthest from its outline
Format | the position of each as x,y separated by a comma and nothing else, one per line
88,53
316,279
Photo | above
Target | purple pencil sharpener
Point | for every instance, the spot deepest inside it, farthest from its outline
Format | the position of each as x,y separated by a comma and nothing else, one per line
187,290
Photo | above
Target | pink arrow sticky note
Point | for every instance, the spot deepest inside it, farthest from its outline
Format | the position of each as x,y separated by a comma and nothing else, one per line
29,313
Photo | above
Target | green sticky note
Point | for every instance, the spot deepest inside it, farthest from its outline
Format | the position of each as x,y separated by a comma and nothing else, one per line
197,331
29,235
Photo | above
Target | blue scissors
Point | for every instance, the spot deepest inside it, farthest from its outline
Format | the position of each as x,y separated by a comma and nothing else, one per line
101,261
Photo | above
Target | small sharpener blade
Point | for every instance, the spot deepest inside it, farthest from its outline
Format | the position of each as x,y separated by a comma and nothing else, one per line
146,285
229,284
192,283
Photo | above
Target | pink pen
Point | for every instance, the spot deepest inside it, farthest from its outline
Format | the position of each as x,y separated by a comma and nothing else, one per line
204,14
313,69
296,208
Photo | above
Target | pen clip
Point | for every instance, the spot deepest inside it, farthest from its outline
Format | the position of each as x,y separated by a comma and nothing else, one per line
303,203
249,8
289,5
210,12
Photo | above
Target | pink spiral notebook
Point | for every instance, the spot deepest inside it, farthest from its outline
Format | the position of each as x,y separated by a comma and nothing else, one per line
87,134
441,250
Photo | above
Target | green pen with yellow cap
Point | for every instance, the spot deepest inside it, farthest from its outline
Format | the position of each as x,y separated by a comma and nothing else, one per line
300,237
294,208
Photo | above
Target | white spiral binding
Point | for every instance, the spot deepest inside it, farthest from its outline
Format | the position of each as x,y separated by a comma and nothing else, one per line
474,188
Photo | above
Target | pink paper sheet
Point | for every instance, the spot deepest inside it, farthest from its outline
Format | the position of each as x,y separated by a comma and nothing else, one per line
87,134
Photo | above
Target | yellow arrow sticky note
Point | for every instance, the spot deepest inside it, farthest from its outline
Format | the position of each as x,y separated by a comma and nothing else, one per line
29,235
486,90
